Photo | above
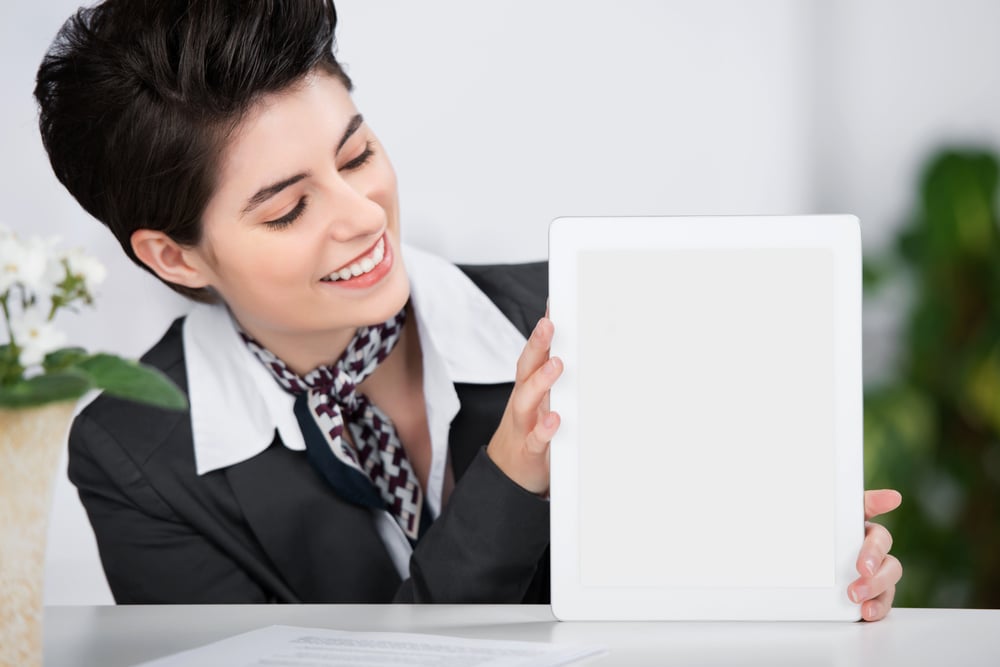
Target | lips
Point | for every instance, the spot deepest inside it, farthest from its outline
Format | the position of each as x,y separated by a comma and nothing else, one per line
364,270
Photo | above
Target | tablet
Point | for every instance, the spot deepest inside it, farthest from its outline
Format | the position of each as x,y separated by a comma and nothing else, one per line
709,461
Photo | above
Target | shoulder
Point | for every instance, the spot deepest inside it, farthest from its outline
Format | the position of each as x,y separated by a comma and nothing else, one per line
168,353
518,290
109,422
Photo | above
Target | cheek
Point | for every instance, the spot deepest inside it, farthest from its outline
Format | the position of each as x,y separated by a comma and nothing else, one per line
259,267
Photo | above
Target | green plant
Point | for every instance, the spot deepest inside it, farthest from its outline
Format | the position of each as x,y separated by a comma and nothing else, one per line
36,282
933,430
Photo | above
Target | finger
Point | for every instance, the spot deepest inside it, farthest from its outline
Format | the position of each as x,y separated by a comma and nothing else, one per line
888,576
877,609
529,395
543,407
536,351
878,542
881,501
538,440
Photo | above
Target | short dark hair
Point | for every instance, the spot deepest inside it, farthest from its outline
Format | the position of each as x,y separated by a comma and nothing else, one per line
137,98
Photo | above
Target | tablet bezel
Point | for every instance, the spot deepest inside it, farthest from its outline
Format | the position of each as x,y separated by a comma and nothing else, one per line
570,236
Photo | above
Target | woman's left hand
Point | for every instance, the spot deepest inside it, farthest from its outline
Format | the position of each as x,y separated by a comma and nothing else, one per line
879,571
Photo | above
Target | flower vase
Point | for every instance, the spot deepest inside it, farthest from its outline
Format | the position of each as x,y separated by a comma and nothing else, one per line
31,441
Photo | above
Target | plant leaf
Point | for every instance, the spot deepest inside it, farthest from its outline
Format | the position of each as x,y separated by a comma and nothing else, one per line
42,389
133,381
64,358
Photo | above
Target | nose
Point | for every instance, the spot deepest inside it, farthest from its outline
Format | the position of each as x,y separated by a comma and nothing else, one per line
352,213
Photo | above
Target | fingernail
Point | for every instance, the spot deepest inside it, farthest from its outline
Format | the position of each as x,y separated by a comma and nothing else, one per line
870,565
859,593
550,367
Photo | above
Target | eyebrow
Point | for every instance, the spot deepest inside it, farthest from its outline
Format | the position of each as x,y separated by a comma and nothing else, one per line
269,191
352,127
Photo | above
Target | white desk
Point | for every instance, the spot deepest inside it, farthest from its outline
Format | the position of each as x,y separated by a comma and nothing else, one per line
121,636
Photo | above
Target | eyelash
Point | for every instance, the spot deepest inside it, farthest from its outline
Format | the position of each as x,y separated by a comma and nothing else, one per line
362,159
294,214
289,217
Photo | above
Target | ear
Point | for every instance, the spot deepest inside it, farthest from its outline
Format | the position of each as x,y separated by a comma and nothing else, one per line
169,260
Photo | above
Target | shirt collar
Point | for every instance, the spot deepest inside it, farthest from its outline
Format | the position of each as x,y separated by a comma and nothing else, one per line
476,341
236,405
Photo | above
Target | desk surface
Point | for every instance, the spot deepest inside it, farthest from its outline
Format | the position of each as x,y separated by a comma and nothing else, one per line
120,636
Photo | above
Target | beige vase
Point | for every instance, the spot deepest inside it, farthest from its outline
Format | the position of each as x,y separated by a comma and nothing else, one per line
31,440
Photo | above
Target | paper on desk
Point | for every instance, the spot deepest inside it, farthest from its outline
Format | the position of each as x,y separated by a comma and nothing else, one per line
288,646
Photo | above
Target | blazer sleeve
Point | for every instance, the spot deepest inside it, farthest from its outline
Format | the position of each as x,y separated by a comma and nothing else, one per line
143,544
485,547
490,544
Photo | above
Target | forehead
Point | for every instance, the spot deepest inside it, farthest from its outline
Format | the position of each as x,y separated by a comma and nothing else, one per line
285,133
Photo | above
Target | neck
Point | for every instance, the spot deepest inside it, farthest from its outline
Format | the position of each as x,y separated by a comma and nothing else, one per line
304,353
402,370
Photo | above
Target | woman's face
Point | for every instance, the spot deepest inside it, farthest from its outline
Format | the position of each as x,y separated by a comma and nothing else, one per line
305,199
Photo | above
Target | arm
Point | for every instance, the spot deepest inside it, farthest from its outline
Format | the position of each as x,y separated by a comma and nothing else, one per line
149,554
486,545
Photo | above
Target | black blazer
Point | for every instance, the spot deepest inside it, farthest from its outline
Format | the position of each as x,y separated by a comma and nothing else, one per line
269,529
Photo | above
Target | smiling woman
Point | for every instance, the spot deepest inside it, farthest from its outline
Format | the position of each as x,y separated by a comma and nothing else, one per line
361,428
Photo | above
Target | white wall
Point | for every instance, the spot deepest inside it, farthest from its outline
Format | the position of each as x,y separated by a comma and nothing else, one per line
900,78
896,80
501,116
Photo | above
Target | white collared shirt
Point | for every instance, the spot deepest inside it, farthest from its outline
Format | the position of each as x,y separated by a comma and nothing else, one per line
463,338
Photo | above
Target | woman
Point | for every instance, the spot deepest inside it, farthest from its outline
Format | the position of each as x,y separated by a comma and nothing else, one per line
219,143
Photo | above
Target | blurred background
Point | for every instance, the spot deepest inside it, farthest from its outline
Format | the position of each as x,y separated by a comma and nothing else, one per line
501,116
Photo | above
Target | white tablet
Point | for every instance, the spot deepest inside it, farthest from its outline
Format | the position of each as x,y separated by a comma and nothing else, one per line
709,461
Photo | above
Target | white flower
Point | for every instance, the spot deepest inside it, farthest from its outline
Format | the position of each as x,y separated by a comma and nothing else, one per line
54,273
22,262
86,268
35,336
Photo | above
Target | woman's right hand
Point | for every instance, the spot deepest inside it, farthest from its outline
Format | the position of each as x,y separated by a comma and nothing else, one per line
520,446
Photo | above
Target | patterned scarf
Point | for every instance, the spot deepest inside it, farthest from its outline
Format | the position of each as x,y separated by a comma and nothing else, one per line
375,472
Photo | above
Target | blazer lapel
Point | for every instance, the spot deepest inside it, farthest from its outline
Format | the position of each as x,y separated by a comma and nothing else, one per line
482,406
520,292
291,511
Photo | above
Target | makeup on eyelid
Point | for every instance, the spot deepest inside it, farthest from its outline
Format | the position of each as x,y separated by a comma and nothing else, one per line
290,217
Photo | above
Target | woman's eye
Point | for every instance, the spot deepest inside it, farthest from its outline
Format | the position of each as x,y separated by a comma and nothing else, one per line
289,217
362,159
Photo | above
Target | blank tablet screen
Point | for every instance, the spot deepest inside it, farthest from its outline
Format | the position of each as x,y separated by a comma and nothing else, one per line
712,408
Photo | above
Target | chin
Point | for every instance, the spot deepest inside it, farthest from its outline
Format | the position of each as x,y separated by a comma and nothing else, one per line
389,301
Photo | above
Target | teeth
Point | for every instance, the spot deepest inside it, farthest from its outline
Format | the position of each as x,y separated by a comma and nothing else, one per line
362,266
